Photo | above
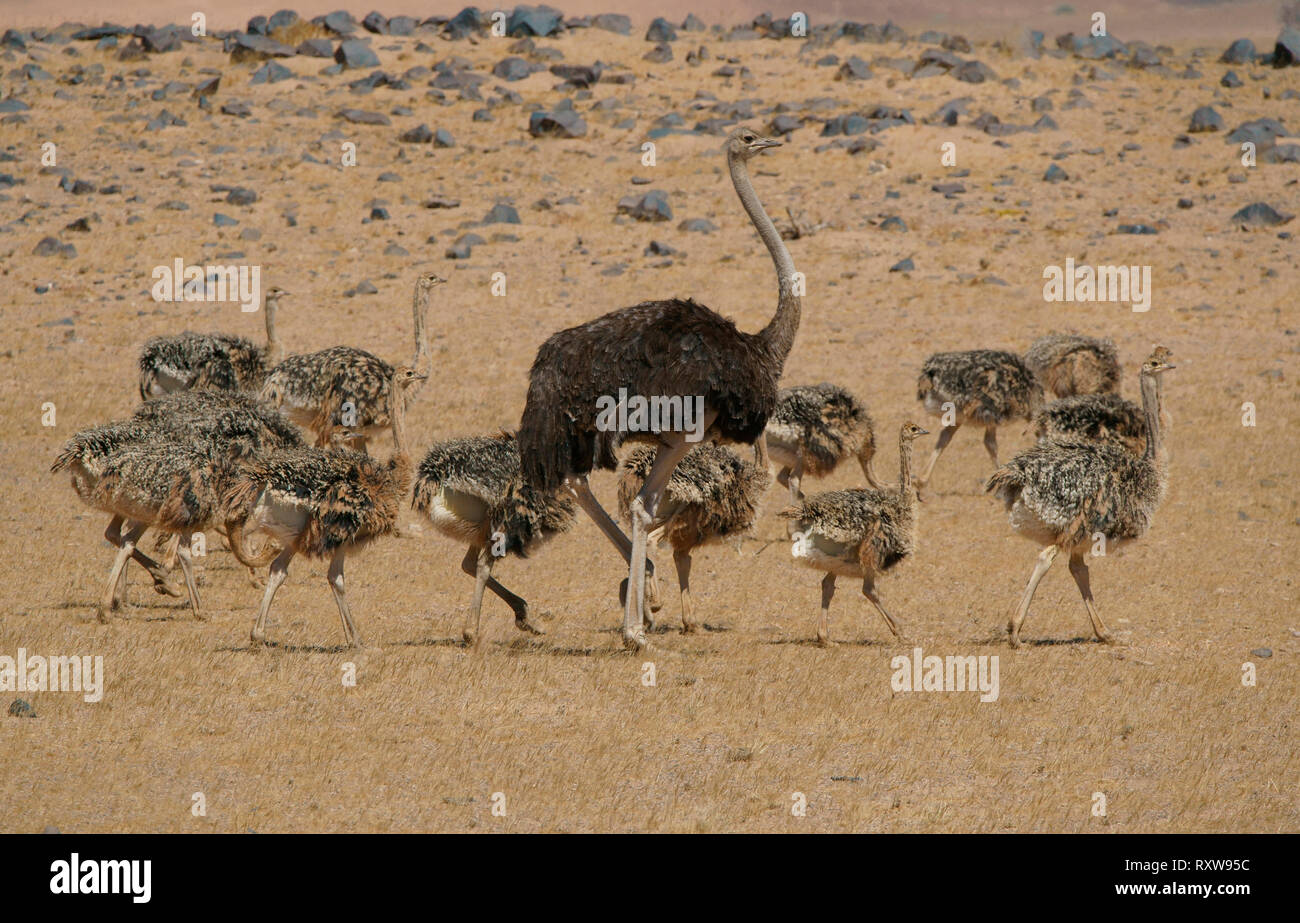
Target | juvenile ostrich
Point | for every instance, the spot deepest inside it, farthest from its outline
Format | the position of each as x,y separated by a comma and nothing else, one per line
472,492
211,360
1063,492
656,349
987,387
1069,363
814,428
347,387
228,425
858,533
713,494
169,486
324,503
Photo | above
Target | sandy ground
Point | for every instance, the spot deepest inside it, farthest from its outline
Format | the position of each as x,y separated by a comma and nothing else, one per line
747,714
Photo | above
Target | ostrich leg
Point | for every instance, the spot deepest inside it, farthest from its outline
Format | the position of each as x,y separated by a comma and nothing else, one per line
482,558
187,568
991,443
1045,559
161,584
869,591
581,491
133,533
669,454
517,604
335,577
795,478
1079,571
945,437
682,559
279,567
824,616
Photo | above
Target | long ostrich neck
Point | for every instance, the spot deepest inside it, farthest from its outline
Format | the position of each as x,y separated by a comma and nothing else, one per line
274,348
780,330
1151,410
905,485
423,361
401,460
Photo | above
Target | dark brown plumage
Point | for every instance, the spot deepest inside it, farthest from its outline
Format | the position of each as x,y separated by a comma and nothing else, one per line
1066,493
323,504
472,491
343,387
713,494
210,360
858,533
813,429
987,387
656,348
1069,363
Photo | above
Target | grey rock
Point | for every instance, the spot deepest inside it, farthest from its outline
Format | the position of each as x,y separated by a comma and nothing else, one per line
1205,119
501,214
354,53
661,30
1260,214
1242,51
562,123
364,117
652,206
1055,174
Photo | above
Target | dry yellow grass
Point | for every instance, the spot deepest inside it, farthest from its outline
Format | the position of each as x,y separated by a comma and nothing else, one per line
746,713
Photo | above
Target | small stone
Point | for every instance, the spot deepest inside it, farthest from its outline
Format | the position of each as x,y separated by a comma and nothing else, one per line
1055,174
223,221
501,214
661,30
1205,119
20,708
652,206
903,266
354,53
378,214
241,196
1260,214
1264,652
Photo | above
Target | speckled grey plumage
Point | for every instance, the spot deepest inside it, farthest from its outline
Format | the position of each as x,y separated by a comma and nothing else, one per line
487,468
712,494
986,386
1078,487
880,525
235,423
1069,363
1106,417
312,388
827,422
202,360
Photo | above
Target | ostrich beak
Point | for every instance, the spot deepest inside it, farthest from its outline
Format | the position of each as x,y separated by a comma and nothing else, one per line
922,432
763,144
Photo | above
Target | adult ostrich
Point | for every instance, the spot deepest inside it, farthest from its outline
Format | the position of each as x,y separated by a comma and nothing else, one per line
656,349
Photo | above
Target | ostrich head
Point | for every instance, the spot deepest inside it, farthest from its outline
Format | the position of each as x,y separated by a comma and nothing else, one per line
275,293
912,431
428,280
406,376
1158,361
744,143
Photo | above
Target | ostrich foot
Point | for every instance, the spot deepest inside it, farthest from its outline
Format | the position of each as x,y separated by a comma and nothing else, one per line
635,640
163,588
257,636
522,623
102,615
